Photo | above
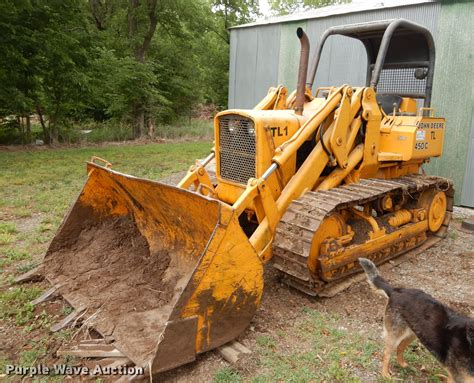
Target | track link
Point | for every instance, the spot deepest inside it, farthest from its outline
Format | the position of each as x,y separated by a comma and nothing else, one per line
294,234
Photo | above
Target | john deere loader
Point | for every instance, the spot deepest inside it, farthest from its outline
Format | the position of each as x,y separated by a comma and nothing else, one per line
310,180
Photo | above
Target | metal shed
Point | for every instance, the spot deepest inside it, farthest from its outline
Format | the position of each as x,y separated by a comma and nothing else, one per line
265,53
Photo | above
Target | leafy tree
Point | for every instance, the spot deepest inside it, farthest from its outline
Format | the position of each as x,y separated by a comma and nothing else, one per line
136,62
285,7
222,14
229,13
43,57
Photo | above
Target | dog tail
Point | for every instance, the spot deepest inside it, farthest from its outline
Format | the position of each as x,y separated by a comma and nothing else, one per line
373,276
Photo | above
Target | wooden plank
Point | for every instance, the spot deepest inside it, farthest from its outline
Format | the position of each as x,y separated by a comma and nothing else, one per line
48,294
33,275
91,350
233,351
239,346
93,341
68,320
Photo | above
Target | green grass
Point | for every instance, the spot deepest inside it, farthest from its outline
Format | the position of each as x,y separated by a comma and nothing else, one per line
24,268
227,375
11,255
47,181
323,351
35,351
8,233
113,131
15,304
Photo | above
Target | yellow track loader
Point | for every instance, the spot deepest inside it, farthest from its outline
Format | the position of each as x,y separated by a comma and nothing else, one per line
311,180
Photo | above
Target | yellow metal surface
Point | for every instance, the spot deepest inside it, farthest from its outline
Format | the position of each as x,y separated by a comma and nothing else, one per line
408,105
332,227
372,115
400,217
275,99
340,142
199,178
401,240
289,148
435,203
337,176
411,138
272,129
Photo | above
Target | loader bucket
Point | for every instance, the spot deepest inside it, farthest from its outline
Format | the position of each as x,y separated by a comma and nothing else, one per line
161,272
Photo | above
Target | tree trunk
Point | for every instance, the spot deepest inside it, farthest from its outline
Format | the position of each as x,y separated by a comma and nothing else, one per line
140,51
151,126
20,129
139,120
46,132
28,129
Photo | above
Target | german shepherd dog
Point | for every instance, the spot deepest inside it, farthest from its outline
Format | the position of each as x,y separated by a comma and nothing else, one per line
410,314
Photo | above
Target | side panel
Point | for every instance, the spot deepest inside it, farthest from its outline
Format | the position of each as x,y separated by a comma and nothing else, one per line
254,56
414,140
467,196
245,69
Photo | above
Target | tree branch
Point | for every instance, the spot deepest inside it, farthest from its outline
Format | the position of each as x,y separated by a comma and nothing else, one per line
141,51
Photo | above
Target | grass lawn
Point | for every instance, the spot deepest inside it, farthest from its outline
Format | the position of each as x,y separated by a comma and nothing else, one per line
319,349
37,188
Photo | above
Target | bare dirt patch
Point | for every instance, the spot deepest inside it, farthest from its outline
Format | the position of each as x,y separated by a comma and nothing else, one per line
108,269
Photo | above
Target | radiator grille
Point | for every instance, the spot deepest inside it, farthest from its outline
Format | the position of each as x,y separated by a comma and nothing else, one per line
400,81
237,148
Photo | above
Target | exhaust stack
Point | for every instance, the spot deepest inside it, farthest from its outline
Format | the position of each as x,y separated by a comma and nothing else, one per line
302,71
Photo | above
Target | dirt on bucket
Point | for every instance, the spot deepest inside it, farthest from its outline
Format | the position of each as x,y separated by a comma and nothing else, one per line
106,266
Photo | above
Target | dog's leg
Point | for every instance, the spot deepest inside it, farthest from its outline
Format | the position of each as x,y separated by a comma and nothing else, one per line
401,349
390,345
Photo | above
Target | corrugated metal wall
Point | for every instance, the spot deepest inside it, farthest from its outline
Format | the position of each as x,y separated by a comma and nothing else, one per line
453,97
467,193
276,45
276,48
253,69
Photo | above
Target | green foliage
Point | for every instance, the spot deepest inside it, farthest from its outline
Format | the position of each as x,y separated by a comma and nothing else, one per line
15,303
227,375
43,60
10,255
7,233
317,349
132,63
36,349
286,7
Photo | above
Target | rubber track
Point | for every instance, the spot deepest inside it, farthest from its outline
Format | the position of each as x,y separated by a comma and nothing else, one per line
294,234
